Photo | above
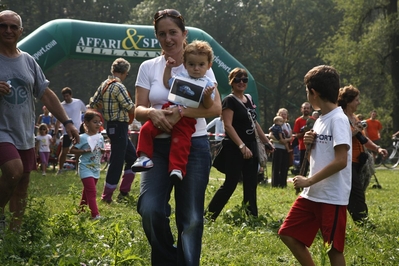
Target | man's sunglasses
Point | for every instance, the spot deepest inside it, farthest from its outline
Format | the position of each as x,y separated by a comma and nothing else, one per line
13,27
238,80
168,12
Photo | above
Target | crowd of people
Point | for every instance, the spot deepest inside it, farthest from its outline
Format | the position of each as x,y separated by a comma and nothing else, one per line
173,151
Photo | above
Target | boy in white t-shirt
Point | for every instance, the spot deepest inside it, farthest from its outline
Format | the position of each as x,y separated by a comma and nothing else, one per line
322,204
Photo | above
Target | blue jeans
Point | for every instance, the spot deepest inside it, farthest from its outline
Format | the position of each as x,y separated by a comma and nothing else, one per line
122,151
153,204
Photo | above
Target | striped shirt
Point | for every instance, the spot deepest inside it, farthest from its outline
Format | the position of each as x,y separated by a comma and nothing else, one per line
115,101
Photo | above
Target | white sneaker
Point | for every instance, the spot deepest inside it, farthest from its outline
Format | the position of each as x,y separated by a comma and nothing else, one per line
143,163
44,174
98,217
176,174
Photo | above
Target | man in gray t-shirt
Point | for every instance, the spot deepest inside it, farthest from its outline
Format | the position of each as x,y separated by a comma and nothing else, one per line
21,81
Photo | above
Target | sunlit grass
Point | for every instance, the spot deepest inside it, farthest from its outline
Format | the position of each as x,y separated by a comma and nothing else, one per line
53,233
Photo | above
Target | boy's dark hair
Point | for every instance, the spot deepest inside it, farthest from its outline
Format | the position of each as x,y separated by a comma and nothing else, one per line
324,80
346,95
66,90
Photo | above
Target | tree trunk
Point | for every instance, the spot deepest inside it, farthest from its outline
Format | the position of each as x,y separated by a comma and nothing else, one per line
393,13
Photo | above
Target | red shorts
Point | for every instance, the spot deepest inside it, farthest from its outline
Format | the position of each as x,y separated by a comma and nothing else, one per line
9,152
307,217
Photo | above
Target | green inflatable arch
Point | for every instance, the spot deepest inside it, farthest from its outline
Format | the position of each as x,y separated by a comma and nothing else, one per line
62,39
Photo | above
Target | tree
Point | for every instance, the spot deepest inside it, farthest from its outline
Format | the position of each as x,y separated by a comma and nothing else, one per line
83,76
365,49
277,41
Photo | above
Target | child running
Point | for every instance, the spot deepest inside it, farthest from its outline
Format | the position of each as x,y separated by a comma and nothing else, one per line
43,141
324,199
197,59
90,148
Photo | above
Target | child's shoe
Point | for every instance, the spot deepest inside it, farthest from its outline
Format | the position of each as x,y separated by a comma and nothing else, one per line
176,175
143,163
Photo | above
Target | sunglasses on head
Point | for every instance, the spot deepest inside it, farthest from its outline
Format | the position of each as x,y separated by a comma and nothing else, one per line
13,27
168,12
238,80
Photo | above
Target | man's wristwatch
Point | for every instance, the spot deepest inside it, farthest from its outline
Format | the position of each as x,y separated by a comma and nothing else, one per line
241,146
67,122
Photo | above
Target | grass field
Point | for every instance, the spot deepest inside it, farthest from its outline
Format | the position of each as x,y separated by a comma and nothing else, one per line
53,234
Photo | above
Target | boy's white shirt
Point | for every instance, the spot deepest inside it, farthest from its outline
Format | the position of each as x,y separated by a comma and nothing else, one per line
332,129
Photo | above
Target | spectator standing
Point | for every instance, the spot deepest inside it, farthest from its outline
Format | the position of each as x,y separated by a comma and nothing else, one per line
155,184
349,100
217,123
74,109
114,100
373,130
300,129
47,119
374,127
239,146
19,72
280,162
322,203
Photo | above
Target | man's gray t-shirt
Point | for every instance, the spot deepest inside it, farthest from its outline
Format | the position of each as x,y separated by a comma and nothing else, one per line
17,109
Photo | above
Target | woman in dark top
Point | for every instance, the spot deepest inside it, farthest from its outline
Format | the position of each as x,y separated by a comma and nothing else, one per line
239,146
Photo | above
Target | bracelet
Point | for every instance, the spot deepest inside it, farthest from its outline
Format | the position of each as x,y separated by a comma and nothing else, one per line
180,110
67,122
378,147
241,146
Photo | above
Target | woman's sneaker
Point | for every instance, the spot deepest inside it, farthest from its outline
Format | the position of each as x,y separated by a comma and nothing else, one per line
143,163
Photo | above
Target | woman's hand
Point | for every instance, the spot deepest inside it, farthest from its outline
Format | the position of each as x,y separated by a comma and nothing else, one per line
246,153
165,119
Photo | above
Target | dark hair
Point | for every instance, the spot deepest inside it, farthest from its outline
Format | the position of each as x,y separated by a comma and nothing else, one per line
66,90
346,95
324,80
120,65
172,14
89,115
237,73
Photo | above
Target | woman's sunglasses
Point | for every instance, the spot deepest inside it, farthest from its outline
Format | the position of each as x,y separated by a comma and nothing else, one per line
168,12
238,80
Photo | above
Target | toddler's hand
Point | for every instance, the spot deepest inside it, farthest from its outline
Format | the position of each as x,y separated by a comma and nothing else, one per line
208,91
170,62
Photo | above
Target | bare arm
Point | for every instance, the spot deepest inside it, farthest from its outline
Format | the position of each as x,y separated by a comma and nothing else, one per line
262,135
165,119
340,161
201,111
54,106
207,100
167,73
227,115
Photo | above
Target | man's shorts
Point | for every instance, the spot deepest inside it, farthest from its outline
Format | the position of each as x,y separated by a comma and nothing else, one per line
306,218
66,141
28,157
